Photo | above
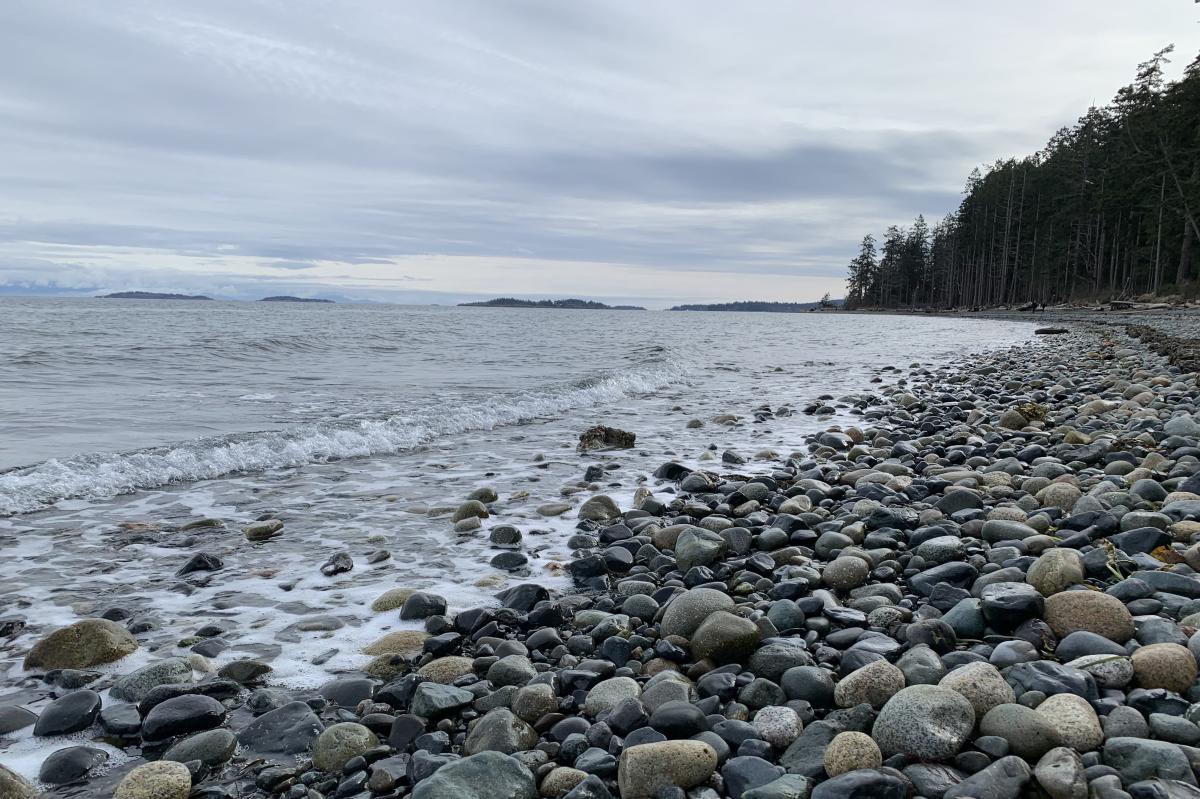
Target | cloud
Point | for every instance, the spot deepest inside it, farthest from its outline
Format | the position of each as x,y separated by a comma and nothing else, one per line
240,142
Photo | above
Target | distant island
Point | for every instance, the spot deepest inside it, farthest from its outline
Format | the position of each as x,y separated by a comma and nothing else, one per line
151,295
763,307
284,298
587,305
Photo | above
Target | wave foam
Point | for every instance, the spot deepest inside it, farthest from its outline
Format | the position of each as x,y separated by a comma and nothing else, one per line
98,476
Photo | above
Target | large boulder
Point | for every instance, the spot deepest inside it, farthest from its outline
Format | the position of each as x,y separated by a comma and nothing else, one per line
81,645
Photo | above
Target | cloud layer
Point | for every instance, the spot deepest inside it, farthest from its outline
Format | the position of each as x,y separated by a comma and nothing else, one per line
430,151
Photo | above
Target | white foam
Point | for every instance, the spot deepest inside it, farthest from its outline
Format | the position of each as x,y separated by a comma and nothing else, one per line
109,474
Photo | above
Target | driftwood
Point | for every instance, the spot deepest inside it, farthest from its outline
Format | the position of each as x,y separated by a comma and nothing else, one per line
1050,331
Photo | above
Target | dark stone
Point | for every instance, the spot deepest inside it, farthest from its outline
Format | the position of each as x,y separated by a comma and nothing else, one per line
288,730
70,764
71,713
201,561
743,773
1007,605
862,784
181,715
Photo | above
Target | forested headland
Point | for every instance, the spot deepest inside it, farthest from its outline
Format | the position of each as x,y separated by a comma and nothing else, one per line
1108,209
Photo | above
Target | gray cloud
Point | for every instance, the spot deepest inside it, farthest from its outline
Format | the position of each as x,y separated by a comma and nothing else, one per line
359,147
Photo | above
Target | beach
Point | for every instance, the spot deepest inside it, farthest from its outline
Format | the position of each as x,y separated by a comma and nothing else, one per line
945,575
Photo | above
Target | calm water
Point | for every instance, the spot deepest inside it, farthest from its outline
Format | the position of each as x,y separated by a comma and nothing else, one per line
358,426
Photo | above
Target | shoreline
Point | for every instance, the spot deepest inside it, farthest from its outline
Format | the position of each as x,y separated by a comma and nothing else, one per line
753,634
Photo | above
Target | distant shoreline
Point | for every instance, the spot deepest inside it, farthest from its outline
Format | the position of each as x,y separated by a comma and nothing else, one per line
151,295
569,304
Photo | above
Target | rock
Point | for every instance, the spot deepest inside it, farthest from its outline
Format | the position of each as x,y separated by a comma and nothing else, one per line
1060,773
14,786
134,686
511,670
610,693
1028,733
1143,759
1093,611
263,530
849,751
471,509
67,765
339,743
1012,419
86,643
1168,666
447,669
873,684
561,780
1007,605
13,718
599,508
688,610
159,780
407,643
392,599
499,730
532,702
698,547
212,748
845,573
646,769
789,786
1059,495
777,725
287,730
746,772
246,671
421,605
487,775
1004,779
431,700
180,715
925,722
981,684
862,784
725,638
1109,671
602,437
1073,718
73,712
1055,570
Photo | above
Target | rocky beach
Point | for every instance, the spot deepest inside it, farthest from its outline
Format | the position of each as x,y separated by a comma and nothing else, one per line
983,583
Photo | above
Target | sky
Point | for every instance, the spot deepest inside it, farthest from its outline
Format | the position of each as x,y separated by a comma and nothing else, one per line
437,151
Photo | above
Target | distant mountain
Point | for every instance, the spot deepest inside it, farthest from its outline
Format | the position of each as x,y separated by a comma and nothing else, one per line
151,295
587,305
284,298
762,307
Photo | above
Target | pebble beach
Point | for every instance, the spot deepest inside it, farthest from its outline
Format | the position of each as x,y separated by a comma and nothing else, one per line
981,581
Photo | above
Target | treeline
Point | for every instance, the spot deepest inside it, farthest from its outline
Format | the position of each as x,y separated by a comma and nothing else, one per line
761,307
1109,208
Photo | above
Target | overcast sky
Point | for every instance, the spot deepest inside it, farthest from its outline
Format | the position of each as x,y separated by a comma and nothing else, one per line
675,150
